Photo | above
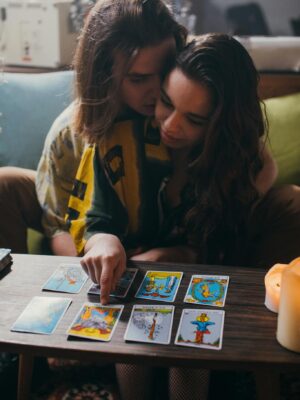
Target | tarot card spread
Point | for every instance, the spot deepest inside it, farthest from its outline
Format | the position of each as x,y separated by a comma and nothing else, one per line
201,328
209,290
68,278
95,321
122,287
159,286
150,324
42,315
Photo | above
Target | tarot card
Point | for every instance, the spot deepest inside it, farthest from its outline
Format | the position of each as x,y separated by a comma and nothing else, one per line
42,315
122,287
159,285
5,258
209,290
96,322
150,324
68,278
4,253
201,328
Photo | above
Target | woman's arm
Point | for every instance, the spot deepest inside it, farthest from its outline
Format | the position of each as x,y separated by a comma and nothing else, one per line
104,261
62,244
184,253
54,181
106,221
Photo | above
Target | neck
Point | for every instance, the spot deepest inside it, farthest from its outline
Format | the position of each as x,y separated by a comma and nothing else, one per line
179,159
127,113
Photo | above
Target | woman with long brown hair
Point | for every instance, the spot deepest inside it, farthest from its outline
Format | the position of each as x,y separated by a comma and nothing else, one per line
213,203
123,51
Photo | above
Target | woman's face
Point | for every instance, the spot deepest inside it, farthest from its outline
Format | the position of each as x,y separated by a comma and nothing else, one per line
141,85
183,111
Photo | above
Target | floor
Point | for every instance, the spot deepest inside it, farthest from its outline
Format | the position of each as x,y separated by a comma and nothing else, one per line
71,381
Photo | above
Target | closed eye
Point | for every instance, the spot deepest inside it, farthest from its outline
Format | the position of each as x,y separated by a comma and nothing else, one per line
196,121
137,79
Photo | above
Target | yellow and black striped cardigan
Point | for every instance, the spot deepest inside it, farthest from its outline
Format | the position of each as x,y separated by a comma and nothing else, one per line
117,185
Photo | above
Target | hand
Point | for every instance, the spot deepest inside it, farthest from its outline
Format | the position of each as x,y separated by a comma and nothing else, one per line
104,262
168,254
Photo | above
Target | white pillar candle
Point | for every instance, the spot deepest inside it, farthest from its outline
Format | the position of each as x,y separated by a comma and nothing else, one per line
288,325
273,286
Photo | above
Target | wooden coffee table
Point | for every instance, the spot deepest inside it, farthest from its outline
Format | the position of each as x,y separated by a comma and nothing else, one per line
249,340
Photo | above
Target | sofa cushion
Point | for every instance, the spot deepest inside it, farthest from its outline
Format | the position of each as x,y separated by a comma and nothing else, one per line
284,134
29,103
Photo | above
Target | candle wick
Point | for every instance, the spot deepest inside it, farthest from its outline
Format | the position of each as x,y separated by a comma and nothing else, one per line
277,284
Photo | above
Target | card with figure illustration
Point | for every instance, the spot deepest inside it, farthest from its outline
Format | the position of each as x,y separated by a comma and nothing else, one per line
150,324
96,322
160,286
122,287
67,278
201,328
42,315
209,290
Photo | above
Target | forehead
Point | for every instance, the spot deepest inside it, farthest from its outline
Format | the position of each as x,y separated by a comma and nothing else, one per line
188,95
147,60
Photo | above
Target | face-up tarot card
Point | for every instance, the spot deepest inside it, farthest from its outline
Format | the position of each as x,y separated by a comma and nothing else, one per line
95,321
201,328
122,287
209,290
68,278
150,324
42,315
159,285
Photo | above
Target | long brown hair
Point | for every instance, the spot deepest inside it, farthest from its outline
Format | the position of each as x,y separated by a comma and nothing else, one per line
125,25
224,166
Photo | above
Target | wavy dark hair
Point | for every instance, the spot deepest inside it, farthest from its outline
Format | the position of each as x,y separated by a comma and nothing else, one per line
224,166
125,25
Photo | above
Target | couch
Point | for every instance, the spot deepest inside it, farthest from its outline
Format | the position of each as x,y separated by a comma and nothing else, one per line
29,103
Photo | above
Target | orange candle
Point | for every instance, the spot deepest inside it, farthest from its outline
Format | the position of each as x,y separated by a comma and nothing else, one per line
273,286
288,326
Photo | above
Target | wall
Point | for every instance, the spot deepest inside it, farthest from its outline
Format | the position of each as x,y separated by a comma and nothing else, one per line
211,14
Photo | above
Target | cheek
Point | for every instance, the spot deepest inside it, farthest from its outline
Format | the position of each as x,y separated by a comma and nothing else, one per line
160,112
128,94
196,134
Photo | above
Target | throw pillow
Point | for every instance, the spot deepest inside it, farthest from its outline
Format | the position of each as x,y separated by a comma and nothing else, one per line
29,103
284,134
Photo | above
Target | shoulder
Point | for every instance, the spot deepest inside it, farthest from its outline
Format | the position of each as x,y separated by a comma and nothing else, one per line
62,138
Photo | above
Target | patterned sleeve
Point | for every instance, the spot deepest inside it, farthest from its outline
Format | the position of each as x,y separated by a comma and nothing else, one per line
56,172
107,214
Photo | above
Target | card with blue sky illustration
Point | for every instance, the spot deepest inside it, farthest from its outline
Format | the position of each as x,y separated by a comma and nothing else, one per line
201,328
67,278
150,324
208,290
42,315
160,286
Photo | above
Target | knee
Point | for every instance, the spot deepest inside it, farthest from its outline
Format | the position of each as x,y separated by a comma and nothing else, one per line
8,177
12,180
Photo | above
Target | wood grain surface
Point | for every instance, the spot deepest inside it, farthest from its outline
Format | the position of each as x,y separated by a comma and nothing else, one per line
249,340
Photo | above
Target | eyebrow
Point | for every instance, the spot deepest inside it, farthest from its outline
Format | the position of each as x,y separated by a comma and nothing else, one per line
193,115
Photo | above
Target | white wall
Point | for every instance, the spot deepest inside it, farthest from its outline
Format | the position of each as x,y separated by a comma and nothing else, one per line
211,14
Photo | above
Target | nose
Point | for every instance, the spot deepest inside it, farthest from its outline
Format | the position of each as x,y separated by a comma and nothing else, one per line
172,122
154,86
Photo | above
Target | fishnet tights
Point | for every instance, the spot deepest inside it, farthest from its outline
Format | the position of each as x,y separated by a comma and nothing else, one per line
137,382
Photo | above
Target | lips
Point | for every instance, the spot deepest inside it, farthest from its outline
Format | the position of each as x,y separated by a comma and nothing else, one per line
167,137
